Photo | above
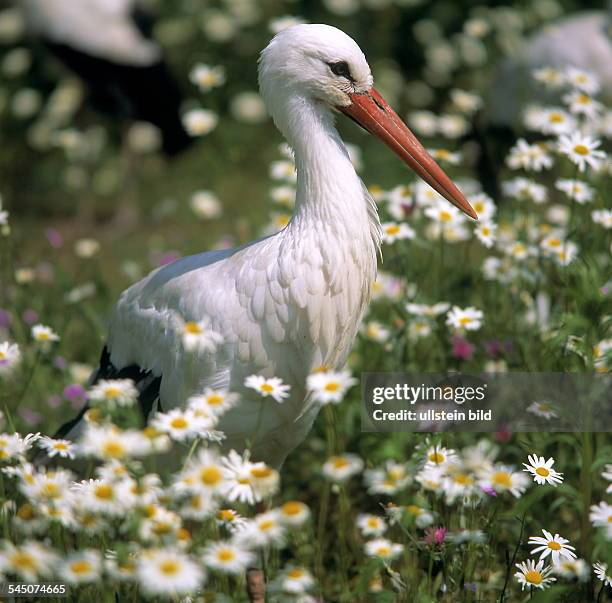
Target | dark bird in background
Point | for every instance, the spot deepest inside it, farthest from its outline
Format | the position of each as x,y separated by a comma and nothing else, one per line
107,43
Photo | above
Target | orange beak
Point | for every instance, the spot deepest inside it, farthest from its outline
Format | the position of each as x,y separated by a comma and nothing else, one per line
371,111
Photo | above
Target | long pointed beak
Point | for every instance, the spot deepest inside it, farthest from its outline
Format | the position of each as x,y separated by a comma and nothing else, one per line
372,112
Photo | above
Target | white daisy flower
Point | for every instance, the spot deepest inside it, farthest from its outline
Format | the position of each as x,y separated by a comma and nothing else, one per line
530,157
227,557
272,387
582,80
111,443
207,77
294,513
215,401
554,121
601,517
580,103
542,409
371,525
483,205
555,546
424,122
576,190
383,549
204,474
246,481
431,477
439,456
62,448
563,251
549,76
533,575
30,560
43,334
230,519
502,478
391,478
329,386
524,189
442,214
394,231
576,569
485,232
105,497
13,446
342,467
607,475
10,357
422,517
284,195
199,122
601,571
114,392
168,572
86,248
465,101
428,311
81,567
418,328
603,217
183,425
206,205
444,155
199,336
283,169
375,331
582,150
542,471
265,529
468,319
295,580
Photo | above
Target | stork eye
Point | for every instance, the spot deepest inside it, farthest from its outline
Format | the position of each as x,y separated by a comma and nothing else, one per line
341,69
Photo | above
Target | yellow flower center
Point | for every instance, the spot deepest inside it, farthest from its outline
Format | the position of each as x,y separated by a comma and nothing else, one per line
332,386
463,479
414,510
226,555
266,524
554,546
436,457
339,462
393,229
60,446
556,118
23,560
82,566
169,567
266,387
42,336
295,573
112,392
581,149
50,490
215,400
502,478
104,492
372,522
533,577
193,328
543,471
179,423
210,476
113,449
261,472
226,515
554,242
445,216
291,508
383,551
465,320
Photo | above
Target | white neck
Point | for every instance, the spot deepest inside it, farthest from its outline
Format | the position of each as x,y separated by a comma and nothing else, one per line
329,191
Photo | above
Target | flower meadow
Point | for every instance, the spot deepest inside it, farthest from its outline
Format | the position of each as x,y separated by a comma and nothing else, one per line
88,204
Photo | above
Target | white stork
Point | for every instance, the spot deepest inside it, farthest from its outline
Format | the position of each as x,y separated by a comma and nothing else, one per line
293,301
105,42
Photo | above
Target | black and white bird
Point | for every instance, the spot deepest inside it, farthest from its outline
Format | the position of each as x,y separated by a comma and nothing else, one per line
107,44
291,302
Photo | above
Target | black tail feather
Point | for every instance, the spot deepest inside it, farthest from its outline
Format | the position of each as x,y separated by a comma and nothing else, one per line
147,384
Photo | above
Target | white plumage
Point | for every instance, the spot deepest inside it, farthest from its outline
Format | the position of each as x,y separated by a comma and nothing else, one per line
582,40
100,28
291,302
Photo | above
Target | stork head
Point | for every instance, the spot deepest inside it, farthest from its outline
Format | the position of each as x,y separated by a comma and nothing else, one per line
322,64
